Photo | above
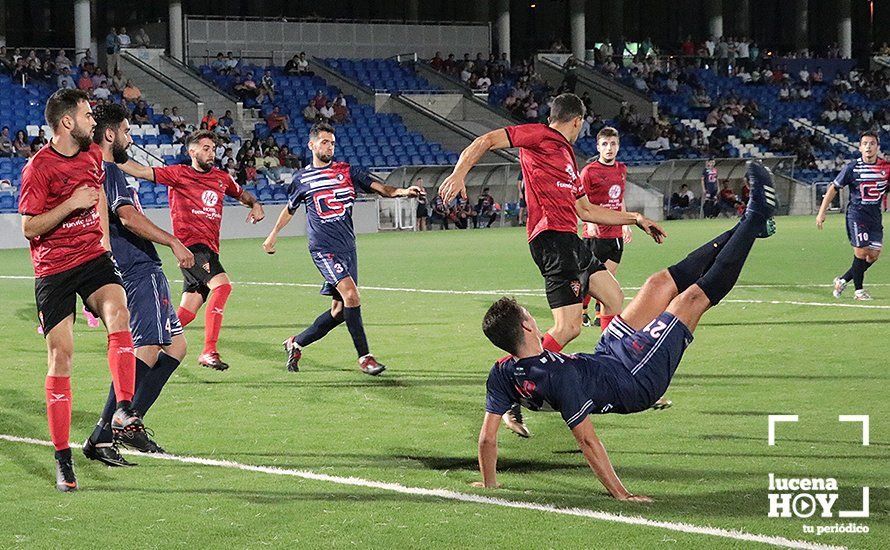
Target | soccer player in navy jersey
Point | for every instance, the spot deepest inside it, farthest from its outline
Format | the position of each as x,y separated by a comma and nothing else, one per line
867,177
327,189
556,199
157,333
637,356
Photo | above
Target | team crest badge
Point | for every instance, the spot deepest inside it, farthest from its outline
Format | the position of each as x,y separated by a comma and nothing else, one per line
206,267
576,287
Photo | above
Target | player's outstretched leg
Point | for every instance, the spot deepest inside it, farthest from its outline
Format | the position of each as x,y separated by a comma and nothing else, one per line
100,445
221,288
323,324
352,315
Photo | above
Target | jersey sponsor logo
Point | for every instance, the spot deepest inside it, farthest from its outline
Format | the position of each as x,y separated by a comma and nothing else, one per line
206,267
872,191
331,204
615,192
209,198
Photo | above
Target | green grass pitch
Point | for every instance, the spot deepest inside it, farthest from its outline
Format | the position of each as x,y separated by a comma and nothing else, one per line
705,461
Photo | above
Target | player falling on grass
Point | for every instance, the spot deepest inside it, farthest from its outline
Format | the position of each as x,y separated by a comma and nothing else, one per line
157,335
637,356
555,201
64,216
327,189
867,177
196,208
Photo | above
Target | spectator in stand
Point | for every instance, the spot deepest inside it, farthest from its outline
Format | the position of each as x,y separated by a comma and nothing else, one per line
289,159
141,39
209,120
485,209
175,117
112,50
292,67
303,66
483,83
179,133
6,63
21,145
270,165
437,63
466,73
341,113
165,123
39,141
131,93
728,200
85,83
267,85
6,148
682,203
440,212
227,121
65,80
320,99
117,83
102,92
231,62
310,112
62,60
247,167
87,62
140,113
124,38
219,65
231,168
277,121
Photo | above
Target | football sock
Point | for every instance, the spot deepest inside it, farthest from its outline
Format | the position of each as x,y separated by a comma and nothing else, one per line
587,298
213,316
152,381
353,318
688,270
550,343
322,325
724,272
122,364
848,276
58,410
185,316
605,320
860,266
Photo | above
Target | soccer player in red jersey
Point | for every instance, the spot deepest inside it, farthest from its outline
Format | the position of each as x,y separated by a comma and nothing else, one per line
555,201
604,180
64,216
196,208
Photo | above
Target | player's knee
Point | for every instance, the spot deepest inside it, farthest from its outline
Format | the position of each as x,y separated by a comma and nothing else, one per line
660,279
117,317
60,358
693,297
567,330
351,297
872,256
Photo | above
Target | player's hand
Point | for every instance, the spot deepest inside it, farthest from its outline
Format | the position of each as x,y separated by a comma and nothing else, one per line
820,219
415,191
634,498
482,485
651,228
184,257
83,197
256,213
452,187
627,234
269,244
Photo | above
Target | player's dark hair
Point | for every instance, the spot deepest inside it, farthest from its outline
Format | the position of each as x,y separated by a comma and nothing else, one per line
108,116
606,132
566,107
502,324
63,102
195,137
869,133
320,127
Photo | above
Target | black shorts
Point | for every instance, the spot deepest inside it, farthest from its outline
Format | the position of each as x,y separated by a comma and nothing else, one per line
56,294
607,249
206,267
566,264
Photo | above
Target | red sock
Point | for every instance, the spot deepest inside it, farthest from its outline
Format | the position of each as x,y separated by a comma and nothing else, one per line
122,364
587,298
58,410
185,316
605,320
550,343
213,316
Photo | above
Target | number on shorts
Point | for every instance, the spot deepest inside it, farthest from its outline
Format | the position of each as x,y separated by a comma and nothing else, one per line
655,328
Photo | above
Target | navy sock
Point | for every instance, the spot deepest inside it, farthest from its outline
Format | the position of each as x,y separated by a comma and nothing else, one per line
322,325
848,276
688,270
860,266
353,317
723,274
102,431
153,381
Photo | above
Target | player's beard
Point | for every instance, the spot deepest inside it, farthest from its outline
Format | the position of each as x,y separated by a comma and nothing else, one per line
83,140
324,159
119,153
204,166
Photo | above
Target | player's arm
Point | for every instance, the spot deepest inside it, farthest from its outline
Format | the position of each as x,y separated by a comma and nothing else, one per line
81,199
593,213
102,207
256,207
133,168
283,219
599,462
488,451
454,184
626,233
704,190
140,225
389,191
830,194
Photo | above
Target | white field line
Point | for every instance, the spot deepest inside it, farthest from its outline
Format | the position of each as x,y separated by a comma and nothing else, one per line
538,293
469,497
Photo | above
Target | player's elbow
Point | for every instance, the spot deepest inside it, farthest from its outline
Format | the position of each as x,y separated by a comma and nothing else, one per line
28,230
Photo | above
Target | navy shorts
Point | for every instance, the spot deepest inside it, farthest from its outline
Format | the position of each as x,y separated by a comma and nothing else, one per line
153,319
334,267
865,234
650,354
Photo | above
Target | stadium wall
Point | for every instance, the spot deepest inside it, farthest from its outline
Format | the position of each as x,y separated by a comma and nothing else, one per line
364,217
282,39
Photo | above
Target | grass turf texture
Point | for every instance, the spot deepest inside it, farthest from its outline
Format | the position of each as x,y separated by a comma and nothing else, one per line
705,461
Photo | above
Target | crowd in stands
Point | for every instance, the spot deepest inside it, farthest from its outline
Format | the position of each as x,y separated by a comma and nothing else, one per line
460,212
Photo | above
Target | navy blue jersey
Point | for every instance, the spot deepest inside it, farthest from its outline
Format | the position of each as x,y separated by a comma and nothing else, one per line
133,254
710,177
867,183
574,385
328,194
